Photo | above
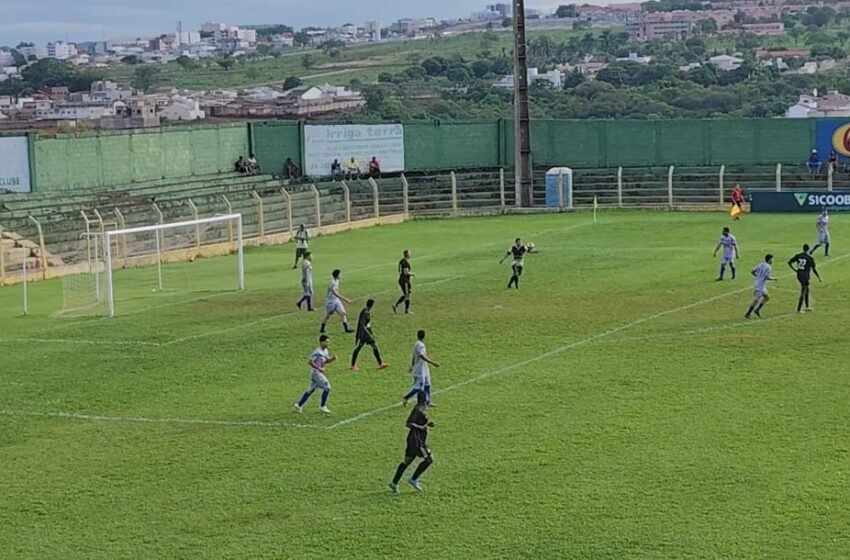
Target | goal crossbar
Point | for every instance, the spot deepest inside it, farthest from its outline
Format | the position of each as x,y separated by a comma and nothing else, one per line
109,235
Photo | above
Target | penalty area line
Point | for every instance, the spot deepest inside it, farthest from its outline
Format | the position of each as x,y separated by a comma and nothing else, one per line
147,420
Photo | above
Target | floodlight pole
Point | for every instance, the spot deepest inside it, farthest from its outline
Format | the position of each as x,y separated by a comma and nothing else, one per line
522,118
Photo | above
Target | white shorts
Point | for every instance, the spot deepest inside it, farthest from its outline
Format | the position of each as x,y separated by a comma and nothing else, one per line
308,289
332,307
823,237
759,294
728,259
420,381
319,381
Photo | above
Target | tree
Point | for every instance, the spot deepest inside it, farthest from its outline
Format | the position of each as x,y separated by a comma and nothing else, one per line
264,50
146,77
568,11
459,74
573,79
707,26
385,78
307,61
186,63
252,73
374,98
226,62
18,58
507,22
131,59
292,82
48,72
481,68
434,66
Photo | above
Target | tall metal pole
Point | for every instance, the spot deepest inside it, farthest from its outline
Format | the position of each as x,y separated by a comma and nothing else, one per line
522,118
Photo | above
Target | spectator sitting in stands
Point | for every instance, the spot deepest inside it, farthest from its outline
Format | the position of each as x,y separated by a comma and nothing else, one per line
832,161
352,169
814,163
290,170
336,170
374,168
253,166
241,166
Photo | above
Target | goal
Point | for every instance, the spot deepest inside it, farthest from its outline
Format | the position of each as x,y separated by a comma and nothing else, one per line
160,260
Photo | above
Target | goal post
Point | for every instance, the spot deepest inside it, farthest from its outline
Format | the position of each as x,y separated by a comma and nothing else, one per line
161,244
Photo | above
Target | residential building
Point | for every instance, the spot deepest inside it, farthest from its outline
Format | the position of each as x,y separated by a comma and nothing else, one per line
134,113
187,38
659,26
212,27
726,62
633,57
833,104
55,93
6,58
348,29
309,101
504,10
60,50
373,29
68,111
33,52
554,77
182,109
7,103
109,92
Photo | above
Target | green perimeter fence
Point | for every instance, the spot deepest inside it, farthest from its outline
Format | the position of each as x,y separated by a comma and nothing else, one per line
123,158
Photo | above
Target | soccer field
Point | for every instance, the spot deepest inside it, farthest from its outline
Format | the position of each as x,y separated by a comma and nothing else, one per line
617,406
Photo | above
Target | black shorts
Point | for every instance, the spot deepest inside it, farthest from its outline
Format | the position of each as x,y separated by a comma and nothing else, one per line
364,339
405,287
517,268
300,252
804,281
417,449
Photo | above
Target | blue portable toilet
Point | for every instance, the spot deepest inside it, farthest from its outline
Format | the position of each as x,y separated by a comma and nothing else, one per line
559,177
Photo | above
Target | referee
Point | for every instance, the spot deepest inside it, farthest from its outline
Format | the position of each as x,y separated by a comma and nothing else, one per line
417,436
366,337
404,277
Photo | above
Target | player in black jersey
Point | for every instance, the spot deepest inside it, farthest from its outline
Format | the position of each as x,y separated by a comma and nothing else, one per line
804,264
365,336
417,436
404,277
518,252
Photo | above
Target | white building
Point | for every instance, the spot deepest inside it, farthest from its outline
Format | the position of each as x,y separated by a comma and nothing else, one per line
833,104
109,92
182,109
75,112
348,29
633,57
554,77
187,38
725,62
34,51
373,29
212,27
6,58
60,50
235,36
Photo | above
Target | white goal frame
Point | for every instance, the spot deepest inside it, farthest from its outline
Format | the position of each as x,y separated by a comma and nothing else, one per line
159,228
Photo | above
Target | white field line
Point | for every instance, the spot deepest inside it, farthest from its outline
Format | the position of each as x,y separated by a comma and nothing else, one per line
146,420
557,351
743,323
79,341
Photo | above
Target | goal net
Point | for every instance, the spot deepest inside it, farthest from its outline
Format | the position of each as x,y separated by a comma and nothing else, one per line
165,261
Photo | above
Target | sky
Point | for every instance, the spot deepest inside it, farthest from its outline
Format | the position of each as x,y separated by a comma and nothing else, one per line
91,20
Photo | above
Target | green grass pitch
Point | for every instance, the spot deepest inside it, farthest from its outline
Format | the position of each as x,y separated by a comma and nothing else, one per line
616,406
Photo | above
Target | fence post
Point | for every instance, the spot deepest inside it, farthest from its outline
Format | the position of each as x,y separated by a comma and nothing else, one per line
405,198
42,247
88,236
619,187
829,174
122,224
454,193
721,185
778,177
288,198
377,203
2,260
161,221
670,187
229,207
561,191
318,205
502,186
261,214
347,194
197,226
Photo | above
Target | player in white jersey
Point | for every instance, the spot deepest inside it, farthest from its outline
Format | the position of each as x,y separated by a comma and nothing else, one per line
823,233
420,370
762,274
307,281
334,303
730,252
320,358
301,237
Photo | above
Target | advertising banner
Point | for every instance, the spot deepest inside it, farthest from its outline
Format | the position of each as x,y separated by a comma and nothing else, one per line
800,201
325,143
14,164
